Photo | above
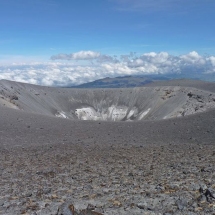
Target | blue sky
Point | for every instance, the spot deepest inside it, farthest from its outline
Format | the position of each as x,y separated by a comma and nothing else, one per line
34,33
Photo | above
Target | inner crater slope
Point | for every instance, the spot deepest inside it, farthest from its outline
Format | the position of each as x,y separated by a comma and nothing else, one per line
127,104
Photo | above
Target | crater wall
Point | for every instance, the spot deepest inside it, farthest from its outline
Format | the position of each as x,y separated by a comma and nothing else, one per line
143,103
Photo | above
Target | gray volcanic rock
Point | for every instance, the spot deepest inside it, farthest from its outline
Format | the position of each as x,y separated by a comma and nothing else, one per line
134,167
202,85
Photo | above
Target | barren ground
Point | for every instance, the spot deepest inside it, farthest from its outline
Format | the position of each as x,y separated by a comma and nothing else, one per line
145,167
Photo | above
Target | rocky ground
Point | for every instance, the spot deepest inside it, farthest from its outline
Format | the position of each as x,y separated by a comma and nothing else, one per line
56,166
114,178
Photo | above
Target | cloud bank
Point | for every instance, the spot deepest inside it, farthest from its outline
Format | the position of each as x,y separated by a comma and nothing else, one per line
85,66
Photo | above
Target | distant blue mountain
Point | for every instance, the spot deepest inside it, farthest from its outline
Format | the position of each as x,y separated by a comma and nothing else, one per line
138,81
122,82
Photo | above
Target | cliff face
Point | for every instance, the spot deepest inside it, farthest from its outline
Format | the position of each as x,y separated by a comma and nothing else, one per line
145,103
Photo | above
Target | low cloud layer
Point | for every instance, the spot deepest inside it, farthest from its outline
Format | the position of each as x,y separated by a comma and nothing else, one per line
86,66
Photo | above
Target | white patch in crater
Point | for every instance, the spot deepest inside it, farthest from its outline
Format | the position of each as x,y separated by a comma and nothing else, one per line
87,113
143,114
61,114
113,113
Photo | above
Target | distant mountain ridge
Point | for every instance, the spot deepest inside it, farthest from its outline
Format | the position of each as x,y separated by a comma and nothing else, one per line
122,82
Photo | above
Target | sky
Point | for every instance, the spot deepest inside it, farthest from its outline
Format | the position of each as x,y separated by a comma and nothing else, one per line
69,42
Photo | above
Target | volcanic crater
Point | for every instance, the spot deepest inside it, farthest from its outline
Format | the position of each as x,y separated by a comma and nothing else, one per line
134,104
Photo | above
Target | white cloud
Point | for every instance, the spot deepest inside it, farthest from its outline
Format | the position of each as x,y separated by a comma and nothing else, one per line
82,55
193,57
62,73
85,55
212,60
